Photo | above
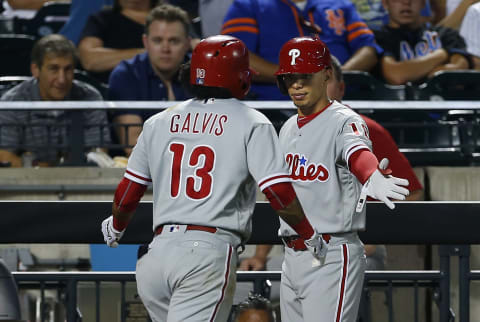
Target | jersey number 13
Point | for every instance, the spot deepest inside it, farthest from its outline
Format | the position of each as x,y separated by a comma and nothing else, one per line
202,160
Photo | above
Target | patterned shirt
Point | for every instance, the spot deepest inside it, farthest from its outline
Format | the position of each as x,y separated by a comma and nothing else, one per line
46,133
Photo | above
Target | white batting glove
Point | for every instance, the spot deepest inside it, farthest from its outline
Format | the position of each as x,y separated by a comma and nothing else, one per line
316,245
111,236
383,187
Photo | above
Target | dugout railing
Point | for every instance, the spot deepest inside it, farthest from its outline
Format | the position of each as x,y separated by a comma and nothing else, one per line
430,223
428,132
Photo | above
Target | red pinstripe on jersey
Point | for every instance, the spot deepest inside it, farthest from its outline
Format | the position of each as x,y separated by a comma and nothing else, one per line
343,282
225,283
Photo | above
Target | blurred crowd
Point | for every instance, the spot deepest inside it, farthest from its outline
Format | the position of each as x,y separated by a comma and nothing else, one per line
132,50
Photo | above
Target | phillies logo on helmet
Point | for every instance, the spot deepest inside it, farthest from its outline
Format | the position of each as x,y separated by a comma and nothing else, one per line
200,76
294,53
301,170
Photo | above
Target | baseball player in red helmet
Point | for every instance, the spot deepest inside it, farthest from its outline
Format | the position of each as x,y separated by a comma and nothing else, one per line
204,158
328,152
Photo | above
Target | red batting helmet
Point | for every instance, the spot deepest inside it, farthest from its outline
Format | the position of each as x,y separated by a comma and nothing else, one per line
221,61
302,55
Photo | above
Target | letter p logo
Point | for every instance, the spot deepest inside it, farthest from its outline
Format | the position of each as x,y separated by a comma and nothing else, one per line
294,53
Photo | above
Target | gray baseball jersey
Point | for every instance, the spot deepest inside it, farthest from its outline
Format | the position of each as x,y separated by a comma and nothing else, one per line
203,158
318,154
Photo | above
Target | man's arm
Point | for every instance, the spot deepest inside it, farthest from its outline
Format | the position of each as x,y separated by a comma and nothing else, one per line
364,59
27,4
7,156
265,69
456,62
258,261
454,20
96,58
399,72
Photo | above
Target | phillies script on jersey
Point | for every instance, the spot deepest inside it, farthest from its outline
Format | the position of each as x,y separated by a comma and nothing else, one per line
198,123
301,170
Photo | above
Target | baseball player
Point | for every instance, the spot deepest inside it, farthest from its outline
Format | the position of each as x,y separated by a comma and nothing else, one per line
328,151
203,157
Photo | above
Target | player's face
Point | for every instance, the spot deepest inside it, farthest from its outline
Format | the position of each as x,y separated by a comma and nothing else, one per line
55,76
308,91
166,44
404,12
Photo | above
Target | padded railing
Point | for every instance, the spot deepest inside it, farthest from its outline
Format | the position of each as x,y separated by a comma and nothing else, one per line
444,132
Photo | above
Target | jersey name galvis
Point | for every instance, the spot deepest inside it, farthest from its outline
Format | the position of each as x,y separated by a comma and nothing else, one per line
198,123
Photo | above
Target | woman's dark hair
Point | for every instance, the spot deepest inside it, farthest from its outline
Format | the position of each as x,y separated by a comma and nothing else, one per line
153,3
199,91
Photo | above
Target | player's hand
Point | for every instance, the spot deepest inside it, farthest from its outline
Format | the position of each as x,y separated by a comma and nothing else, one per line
385,187
111,236
316,245
253,264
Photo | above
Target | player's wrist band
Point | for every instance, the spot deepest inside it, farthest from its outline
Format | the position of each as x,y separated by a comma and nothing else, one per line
304,228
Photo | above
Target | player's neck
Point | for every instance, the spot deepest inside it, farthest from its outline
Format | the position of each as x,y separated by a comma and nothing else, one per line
314,109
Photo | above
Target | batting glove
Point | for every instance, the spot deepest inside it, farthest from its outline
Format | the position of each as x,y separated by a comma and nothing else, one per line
383,187
316,245
111,236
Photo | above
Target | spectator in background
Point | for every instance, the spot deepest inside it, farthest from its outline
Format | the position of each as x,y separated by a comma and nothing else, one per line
470,32
151,76
414,51
112,35
39,132
264,26
80,10
211,13
375,15
255,308
24,9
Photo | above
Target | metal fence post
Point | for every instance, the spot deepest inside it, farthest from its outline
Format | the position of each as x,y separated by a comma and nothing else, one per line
77,144
464,282
444,297
71,299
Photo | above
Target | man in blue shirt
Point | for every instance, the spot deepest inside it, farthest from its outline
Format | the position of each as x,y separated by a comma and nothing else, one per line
152,75
265,25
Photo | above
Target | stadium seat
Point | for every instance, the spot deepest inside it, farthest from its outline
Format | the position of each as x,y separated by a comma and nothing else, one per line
361,85
49,19
15,54
450,85
83,76
7,82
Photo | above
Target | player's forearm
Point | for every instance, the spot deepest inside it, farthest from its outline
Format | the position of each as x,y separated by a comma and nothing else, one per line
265,69
364,59
100,59
399,73
121,219
125,202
